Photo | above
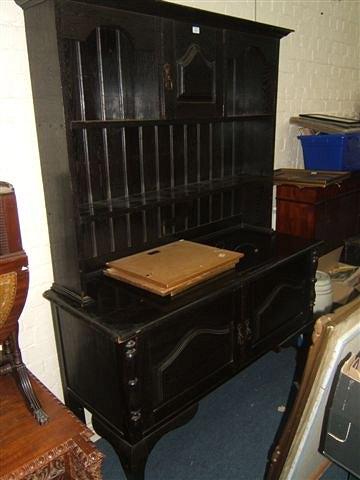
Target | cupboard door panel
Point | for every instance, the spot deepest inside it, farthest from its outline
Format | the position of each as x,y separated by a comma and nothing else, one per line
277,304
192,72
195,76
189,350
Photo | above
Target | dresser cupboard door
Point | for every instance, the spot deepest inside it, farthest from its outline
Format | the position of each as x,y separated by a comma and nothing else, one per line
189,353
272,306
192,70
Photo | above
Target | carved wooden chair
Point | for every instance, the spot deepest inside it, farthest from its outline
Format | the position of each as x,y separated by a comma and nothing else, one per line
14,283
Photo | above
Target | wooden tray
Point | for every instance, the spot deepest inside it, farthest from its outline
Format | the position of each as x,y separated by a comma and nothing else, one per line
174,267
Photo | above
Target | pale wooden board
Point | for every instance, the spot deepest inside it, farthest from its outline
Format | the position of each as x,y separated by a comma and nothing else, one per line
173,267
112,272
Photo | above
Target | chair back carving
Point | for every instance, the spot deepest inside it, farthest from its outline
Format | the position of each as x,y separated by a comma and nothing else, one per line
14,275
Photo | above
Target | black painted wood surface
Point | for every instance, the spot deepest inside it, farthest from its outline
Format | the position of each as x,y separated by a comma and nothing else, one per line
157,122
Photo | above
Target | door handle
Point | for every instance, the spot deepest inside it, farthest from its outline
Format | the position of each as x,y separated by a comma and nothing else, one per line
168,82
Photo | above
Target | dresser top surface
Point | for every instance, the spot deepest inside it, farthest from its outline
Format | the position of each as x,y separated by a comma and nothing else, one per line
122,310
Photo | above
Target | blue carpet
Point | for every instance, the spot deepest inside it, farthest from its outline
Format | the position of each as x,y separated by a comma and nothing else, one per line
232,433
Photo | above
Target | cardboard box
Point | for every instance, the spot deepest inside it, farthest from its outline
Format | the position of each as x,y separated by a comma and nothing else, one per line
345,279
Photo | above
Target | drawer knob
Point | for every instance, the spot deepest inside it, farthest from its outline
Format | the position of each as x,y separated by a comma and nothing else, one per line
130,353
135,415
133,381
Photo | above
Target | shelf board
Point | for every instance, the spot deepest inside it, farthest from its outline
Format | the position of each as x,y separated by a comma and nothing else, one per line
118,123
166,196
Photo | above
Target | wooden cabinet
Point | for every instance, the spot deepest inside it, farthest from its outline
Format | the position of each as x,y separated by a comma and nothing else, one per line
144,157
331,214
155,123
141,363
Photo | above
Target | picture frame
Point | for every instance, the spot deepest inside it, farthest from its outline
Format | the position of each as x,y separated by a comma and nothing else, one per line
296,455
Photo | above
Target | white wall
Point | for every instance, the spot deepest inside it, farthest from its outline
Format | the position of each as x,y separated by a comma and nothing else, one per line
20,166
319,72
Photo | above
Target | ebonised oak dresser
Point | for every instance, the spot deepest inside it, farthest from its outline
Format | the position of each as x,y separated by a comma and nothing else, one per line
157,122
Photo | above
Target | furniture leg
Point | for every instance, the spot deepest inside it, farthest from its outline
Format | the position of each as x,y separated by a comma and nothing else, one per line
22,377
133,458
134,463
13,364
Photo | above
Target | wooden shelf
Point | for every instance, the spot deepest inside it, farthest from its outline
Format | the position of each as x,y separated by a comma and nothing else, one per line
118,123
166,196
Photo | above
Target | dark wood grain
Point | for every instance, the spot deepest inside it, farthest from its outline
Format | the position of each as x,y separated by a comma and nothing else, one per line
318,213
132,152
